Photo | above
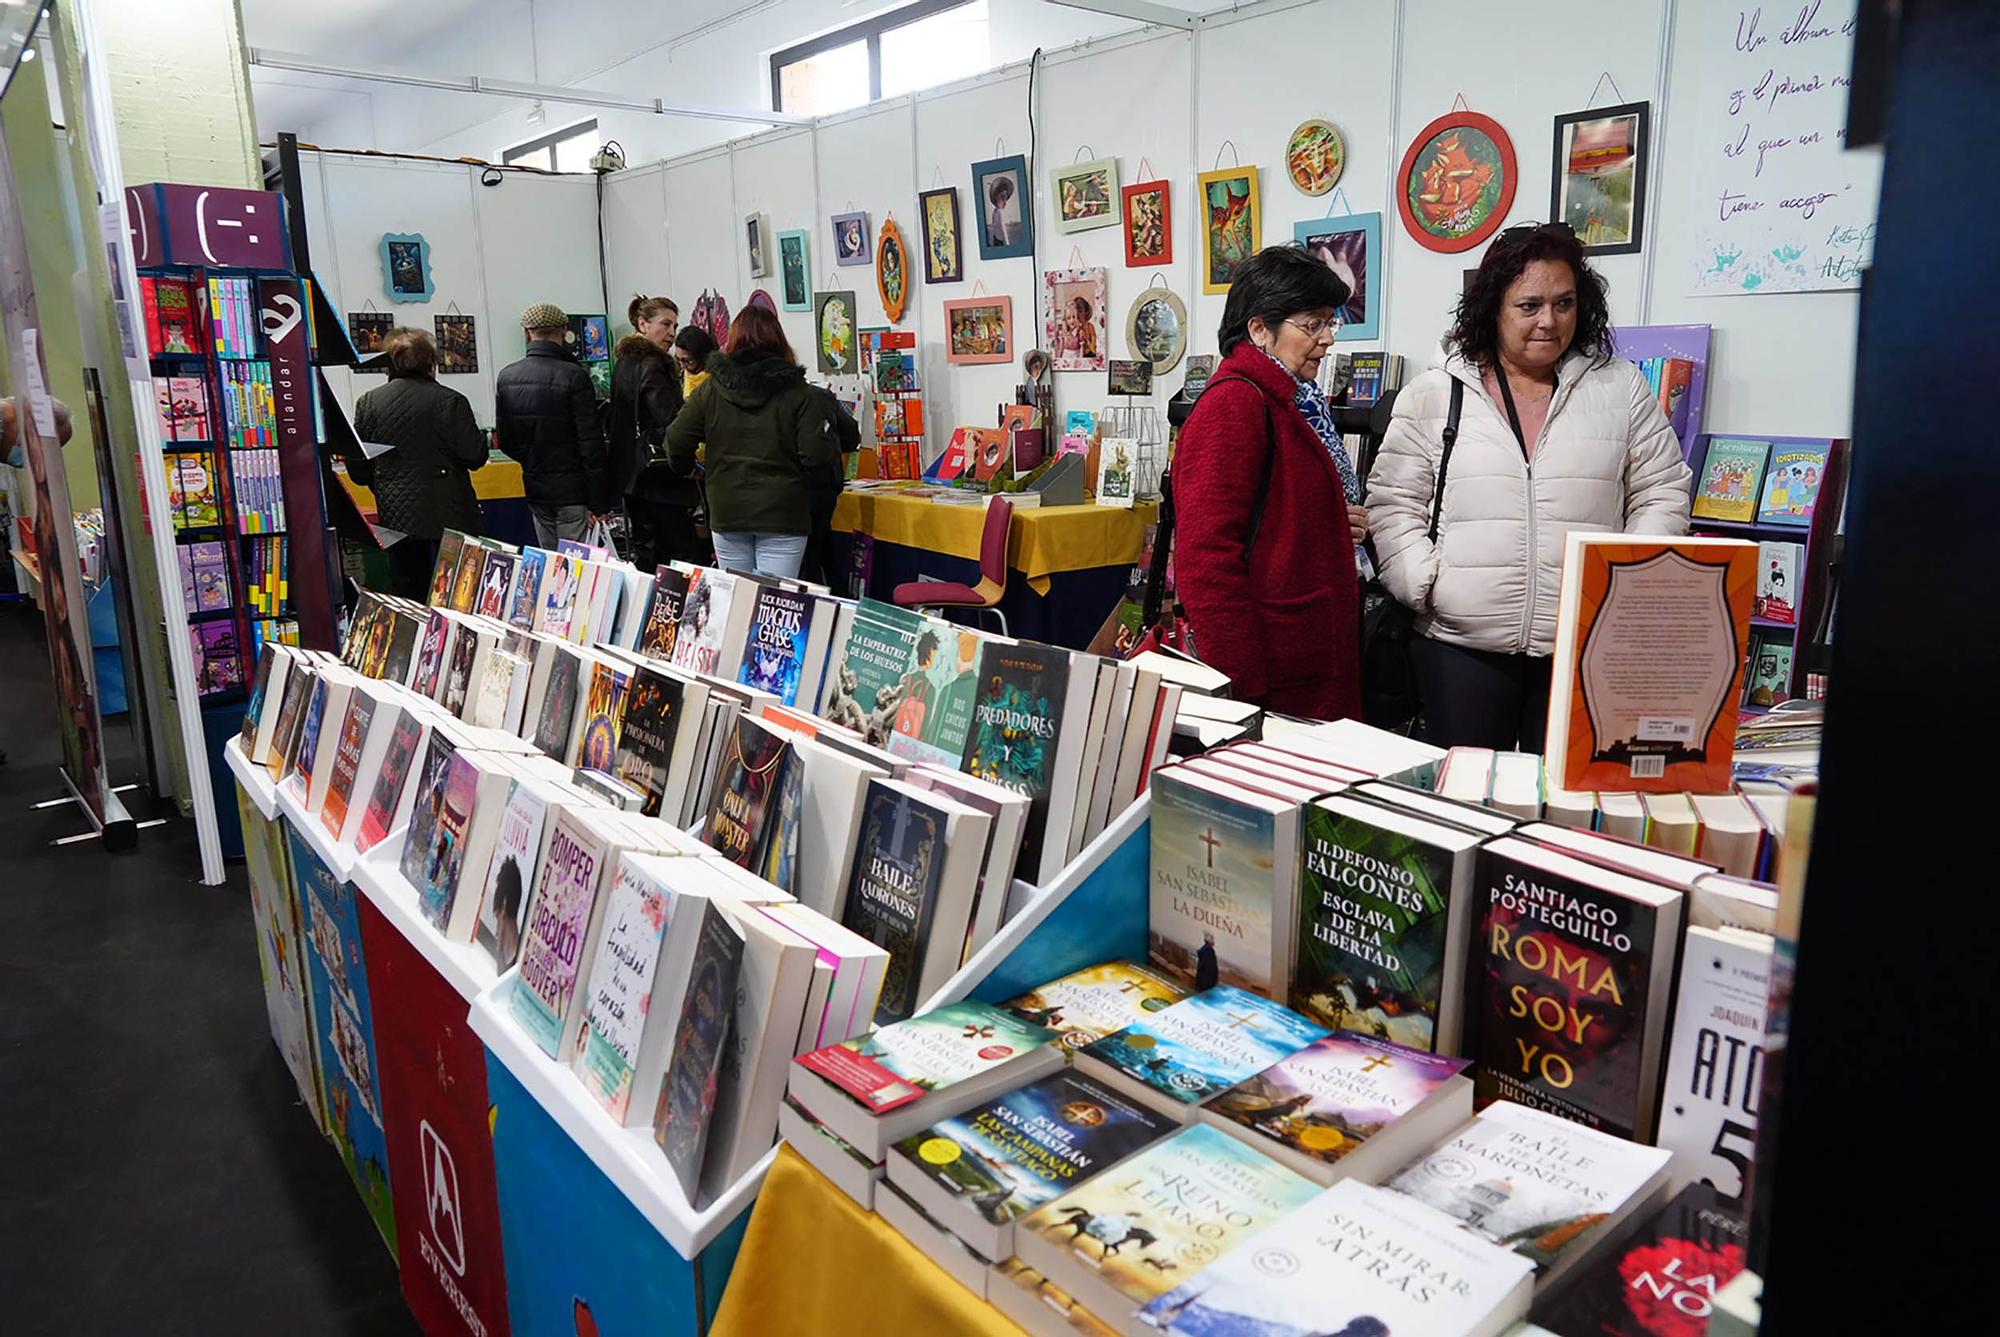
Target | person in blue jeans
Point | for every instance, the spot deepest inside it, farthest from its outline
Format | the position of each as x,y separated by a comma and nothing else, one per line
768,441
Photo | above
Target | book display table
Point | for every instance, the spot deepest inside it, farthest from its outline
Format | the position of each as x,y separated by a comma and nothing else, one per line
599,1237
1075,559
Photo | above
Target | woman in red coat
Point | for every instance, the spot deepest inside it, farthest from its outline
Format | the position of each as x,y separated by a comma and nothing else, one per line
1268,502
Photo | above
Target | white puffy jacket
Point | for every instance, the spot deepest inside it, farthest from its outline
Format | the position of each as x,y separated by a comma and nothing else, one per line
1607,460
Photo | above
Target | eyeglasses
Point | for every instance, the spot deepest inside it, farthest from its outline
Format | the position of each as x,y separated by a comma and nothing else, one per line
1523,231
1313,327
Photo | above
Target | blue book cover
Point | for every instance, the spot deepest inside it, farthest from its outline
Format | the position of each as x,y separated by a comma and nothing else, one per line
1007,1157
528,572
1206,1044
775,655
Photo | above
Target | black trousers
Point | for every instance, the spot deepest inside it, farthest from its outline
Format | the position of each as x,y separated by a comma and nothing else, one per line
410,563
664,531
1475,698
819,562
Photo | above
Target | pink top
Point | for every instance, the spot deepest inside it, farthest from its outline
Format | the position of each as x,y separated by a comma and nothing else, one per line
1534,411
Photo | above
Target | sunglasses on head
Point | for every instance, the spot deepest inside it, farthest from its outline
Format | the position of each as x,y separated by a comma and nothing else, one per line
1523,231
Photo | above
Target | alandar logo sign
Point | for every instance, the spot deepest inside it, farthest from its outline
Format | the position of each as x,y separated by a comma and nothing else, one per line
441,1197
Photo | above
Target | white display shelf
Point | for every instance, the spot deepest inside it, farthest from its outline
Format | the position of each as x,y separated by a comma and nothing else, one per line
338,857
628,1157
379,875
256,781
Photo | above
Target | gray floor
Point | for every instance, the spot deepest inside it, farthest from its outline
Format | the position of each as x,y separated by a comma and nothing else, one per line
158,1173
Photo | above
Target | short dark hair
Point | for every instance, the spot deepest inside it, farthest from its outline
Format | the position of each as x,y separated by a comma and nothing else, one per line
756,330
697,343
1475,328
1277,283
410,353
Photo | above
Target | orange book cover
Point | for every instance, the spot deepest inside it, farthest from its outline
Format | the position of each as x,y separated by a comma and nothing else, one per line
1649,662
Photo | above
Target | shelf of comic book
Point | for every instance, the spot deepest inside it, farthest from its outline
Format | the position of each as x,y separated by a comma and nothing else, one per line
1786,494
894,385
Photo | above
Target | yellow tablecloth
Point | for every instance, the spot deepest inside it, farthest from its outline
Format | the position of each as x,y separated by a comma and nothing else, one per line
1043,540
813,1261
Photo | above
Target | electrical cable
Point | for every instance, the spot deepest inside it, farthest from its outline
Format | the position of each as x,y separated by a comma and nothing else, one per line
1028,186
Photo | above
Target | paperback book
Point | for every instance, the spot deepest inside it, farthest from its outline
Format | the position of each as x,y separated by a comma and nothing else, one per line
1715,1063
935,714
746,782
516,858
560,925
1660,1281
1086,1005
701,1034
1224,868
870,678
649,734
1199,1047
1016,722
780,628
603,713
1730,479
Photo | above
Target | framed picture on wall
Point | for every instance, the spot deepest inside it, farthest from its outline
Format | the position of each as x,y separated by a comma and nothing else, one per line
1073,318
979,330
1156,329
835,333
757,238
1086,195
1149,223
1351,246
944,251
457,345
892,271
1000,192
1599,177
368,329
1231,225
795,271
1315,155
406,266
850,239
1456,182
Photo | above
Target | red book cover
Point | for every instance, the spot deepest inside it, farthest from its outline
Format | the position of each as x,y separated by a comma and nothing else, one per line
1662,1282
861,1077
1676,375
149,298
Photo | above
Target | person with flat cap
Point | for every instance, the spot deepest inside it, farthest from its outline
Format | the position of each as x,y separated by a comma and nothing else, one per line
545,414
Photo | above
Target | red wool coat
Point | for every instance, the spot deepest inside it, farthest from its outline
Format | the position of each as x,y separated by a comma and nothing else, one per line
1284,619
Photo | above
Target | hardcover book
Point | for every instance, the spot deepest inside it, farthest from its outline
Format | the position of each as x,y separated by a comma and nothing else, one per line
1574,974
687,1095
739,808
1086,1005
1224,873
1715,1063
603,713
1385,915
872,673
1354,1260
1200,1046
1544,1187
1791,484
648,734
1662,1280
1124,1238
1730,479
1348,1105
1016,721
774,659
663,614
980,1171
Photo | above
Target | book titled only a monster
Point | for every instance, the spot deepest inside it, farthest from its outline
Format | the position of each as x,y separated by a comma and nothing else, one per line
740,807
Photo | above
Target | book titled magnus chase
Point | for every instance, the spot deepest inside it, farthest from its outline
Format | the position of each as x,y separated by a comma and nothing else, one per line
774,659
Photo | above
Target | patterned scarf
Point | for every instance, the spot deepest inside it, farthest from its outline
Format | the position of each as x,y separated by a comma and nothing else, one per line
1312,402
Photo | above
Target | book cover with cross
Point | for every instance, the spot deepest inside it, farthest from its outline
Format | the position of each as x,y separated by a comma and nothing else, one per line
1200,1046
1086,1005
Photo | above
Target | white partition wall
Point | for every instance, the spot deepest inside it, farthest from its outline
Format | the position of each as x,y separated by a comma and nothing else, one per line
1233,91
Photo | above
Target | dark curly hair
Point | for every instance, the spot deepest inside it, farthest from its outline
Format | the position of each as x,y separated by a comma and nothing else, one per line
1475,330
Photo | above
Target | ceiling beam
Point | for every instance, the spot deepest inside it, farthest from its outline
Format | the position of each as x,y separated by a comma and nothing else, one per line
1139,11
265,58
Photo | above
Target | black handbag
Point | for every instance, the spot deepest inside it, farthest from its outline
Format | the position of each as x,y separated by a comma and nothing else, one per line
1389,695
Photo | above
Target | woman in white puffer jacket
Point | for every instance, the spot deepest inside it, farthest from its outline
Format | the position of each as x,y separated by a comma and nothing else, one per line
1555,434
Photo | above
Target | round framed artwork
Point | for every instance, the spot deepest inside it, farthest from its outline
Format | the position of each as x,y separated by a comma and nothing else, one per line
1315,156
1156,329
892,271
1457,182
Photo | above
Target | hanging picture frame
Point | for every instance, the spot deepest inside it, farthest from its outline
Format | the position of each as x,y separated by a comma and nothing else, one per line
1351,246
1149,223
406,266
795,270
1073,318
757,241
944,250
979,330
457,345
892,271
367,330
1231,224
1085,195
1598,181
1315,156
1002,194
835,333
1156,329
1456,182
850,239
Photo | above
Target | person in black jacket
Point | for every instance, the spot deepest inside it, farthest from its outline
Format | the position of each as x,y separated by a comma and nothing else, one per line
546,419
645,396
423,482
819,563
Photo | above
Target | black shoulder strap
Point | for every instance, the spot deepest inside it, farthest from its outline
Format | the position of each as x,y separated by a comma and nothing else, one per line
1263,484
1444,456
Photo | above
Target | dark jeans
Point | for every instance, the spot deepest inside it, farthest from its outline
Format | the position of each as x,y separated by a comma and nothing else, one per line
819,563
555,523
1475,698
664,531
411,561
